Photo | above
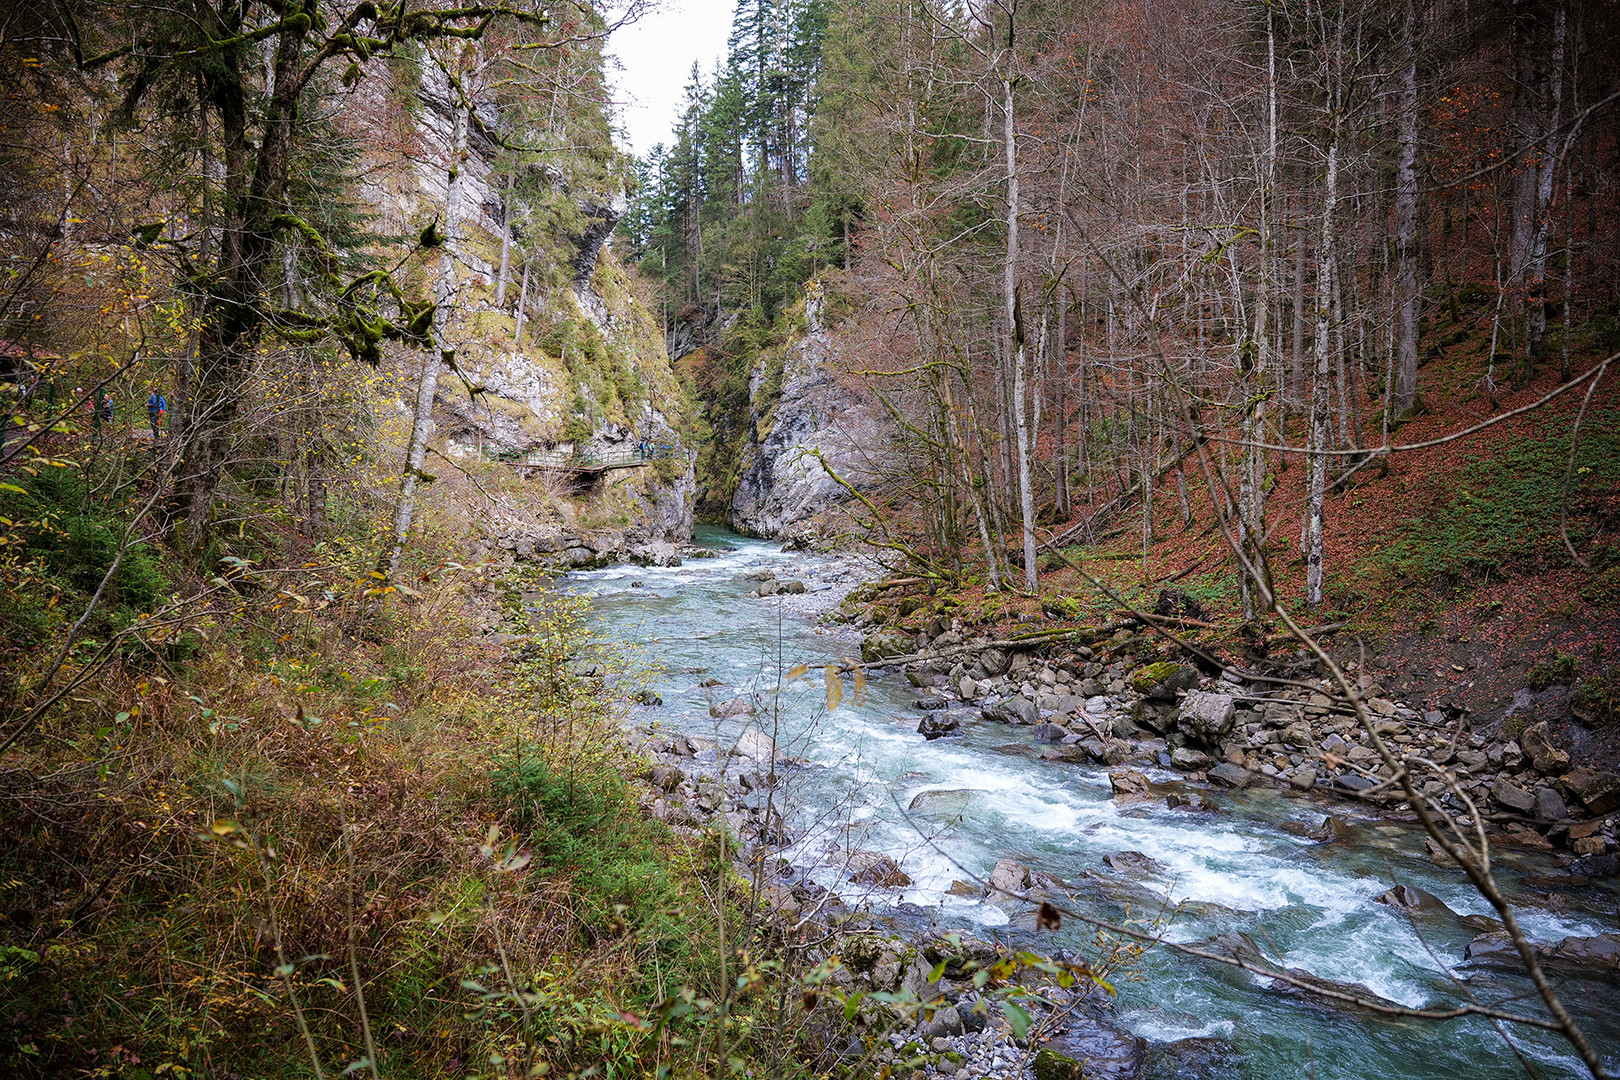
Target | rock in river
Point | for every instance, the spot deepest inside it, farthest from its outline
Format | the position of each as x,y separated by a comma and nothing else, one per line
1207,717
1015,710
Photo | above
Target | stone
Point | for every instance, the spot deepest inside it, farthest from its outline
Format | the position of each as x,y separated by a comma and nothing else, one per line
968,688
1304,779
737,706
1411,898
1207,717
1589,845
1546,757
1162,681
1051,1065
1598,793
870,868
1014,710
1128,785
937,725
994,662
944,1022
1050,732
1229,775
1131,862
884,645
931,704
1008,877
667,777
579,557
1186,758
1550,806
754,744
1512,796
945,804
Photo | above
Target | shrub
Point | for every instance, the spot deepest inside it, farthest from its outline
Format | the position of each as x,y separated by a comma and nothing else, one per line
1597,698
1557,668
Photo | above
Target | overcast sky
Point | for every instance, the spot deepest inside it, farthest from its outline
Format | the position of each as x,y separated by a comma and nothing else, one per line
656,56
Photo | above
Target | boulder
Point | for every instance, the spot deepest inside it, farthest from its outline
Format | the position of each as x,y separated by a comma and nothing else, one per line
755,745
994,662
945,804
1580,956
1512,796
1051,1065
1129,785
937,725
1131,862
1411,898
1014,710
884,645
1163,680
1304,779
944,1023
579,557
1050,732
737,706
1188,759
1598,793
870,868
1550,806
667,777
1546,757
1207,717
1008,877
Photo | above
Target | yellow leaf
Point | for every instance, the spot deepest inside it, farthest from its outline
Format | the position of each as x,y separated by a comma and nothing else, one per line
835,687
796,670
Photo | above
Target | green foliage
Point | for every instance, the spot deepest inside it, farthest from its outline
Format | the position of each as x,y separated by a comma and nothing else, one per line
1501,511
75,539
1555,668
1597,699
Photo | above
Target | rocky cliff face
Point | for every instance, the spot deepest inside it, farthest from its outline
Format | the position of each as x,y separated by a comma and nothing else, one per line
783,485
587,374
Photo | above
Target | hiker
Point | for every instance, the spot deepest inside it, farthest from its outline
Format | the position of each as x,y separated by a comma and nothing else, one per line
156,407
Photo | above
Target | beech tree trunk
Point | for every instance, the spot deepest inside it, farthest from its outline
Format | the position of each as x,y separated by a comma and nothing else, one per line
1017,350
1403,395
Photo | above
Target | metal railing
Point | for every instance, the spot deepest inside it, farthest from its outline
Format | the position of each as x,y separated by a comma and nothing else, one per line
560,459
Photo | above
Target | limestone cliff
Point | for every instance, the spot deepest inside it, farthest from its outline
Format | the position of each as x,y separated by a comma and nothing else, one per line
782,484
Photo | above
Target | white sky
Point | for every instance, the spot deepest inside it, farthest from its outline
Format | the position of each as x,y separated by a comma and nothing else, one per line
656,57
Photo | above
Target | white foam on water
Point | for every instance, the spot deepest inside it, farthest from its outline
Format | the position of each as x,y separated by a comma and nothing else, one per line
1158,1026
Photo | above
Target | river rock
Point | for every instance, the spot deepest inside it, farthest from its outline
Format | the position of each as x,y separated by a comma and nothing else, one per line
1200,1058
870,868
1412,898
1207,717
1582,956
1014,710
1132,862
944,1023
1229,775
1129,785
1512,796
944,804
1188,759
1051,1065
1162,681
1108,1052
667,777
754,744
1546,757
937,725
579,557
1550,806
1598,793
883,645
1050,732
1008,877
737,706
994,662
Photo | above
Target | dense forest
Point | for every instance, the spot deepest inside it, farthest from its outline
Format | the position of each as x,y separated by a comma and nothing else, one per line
1211,398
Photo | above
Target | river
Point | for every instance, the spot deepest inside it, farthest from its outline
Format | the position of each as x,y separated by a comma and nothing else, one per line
1311,905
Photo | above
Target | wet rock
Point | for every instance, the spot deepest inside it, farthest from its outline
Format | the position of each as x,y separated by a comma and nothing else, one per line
737,706
1008,877
1229,775
1129,785
1412,898
1580,956
1206,717
1304,779
1202,1058
1050,732
870,868
945,805
1162,681
1014,710
1546,757
937,725
1188,800
1512,796
1108,1053
1597,866
1132,862
1239,946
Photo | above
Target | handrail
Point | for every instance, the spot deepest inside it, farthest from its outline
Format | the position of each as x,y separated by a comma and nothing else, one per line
558,459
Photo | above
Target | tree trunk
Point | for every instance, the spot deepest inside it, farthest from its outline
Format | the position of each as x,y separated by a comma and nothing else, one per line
428,384
1403,396
1017,351
1321,410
